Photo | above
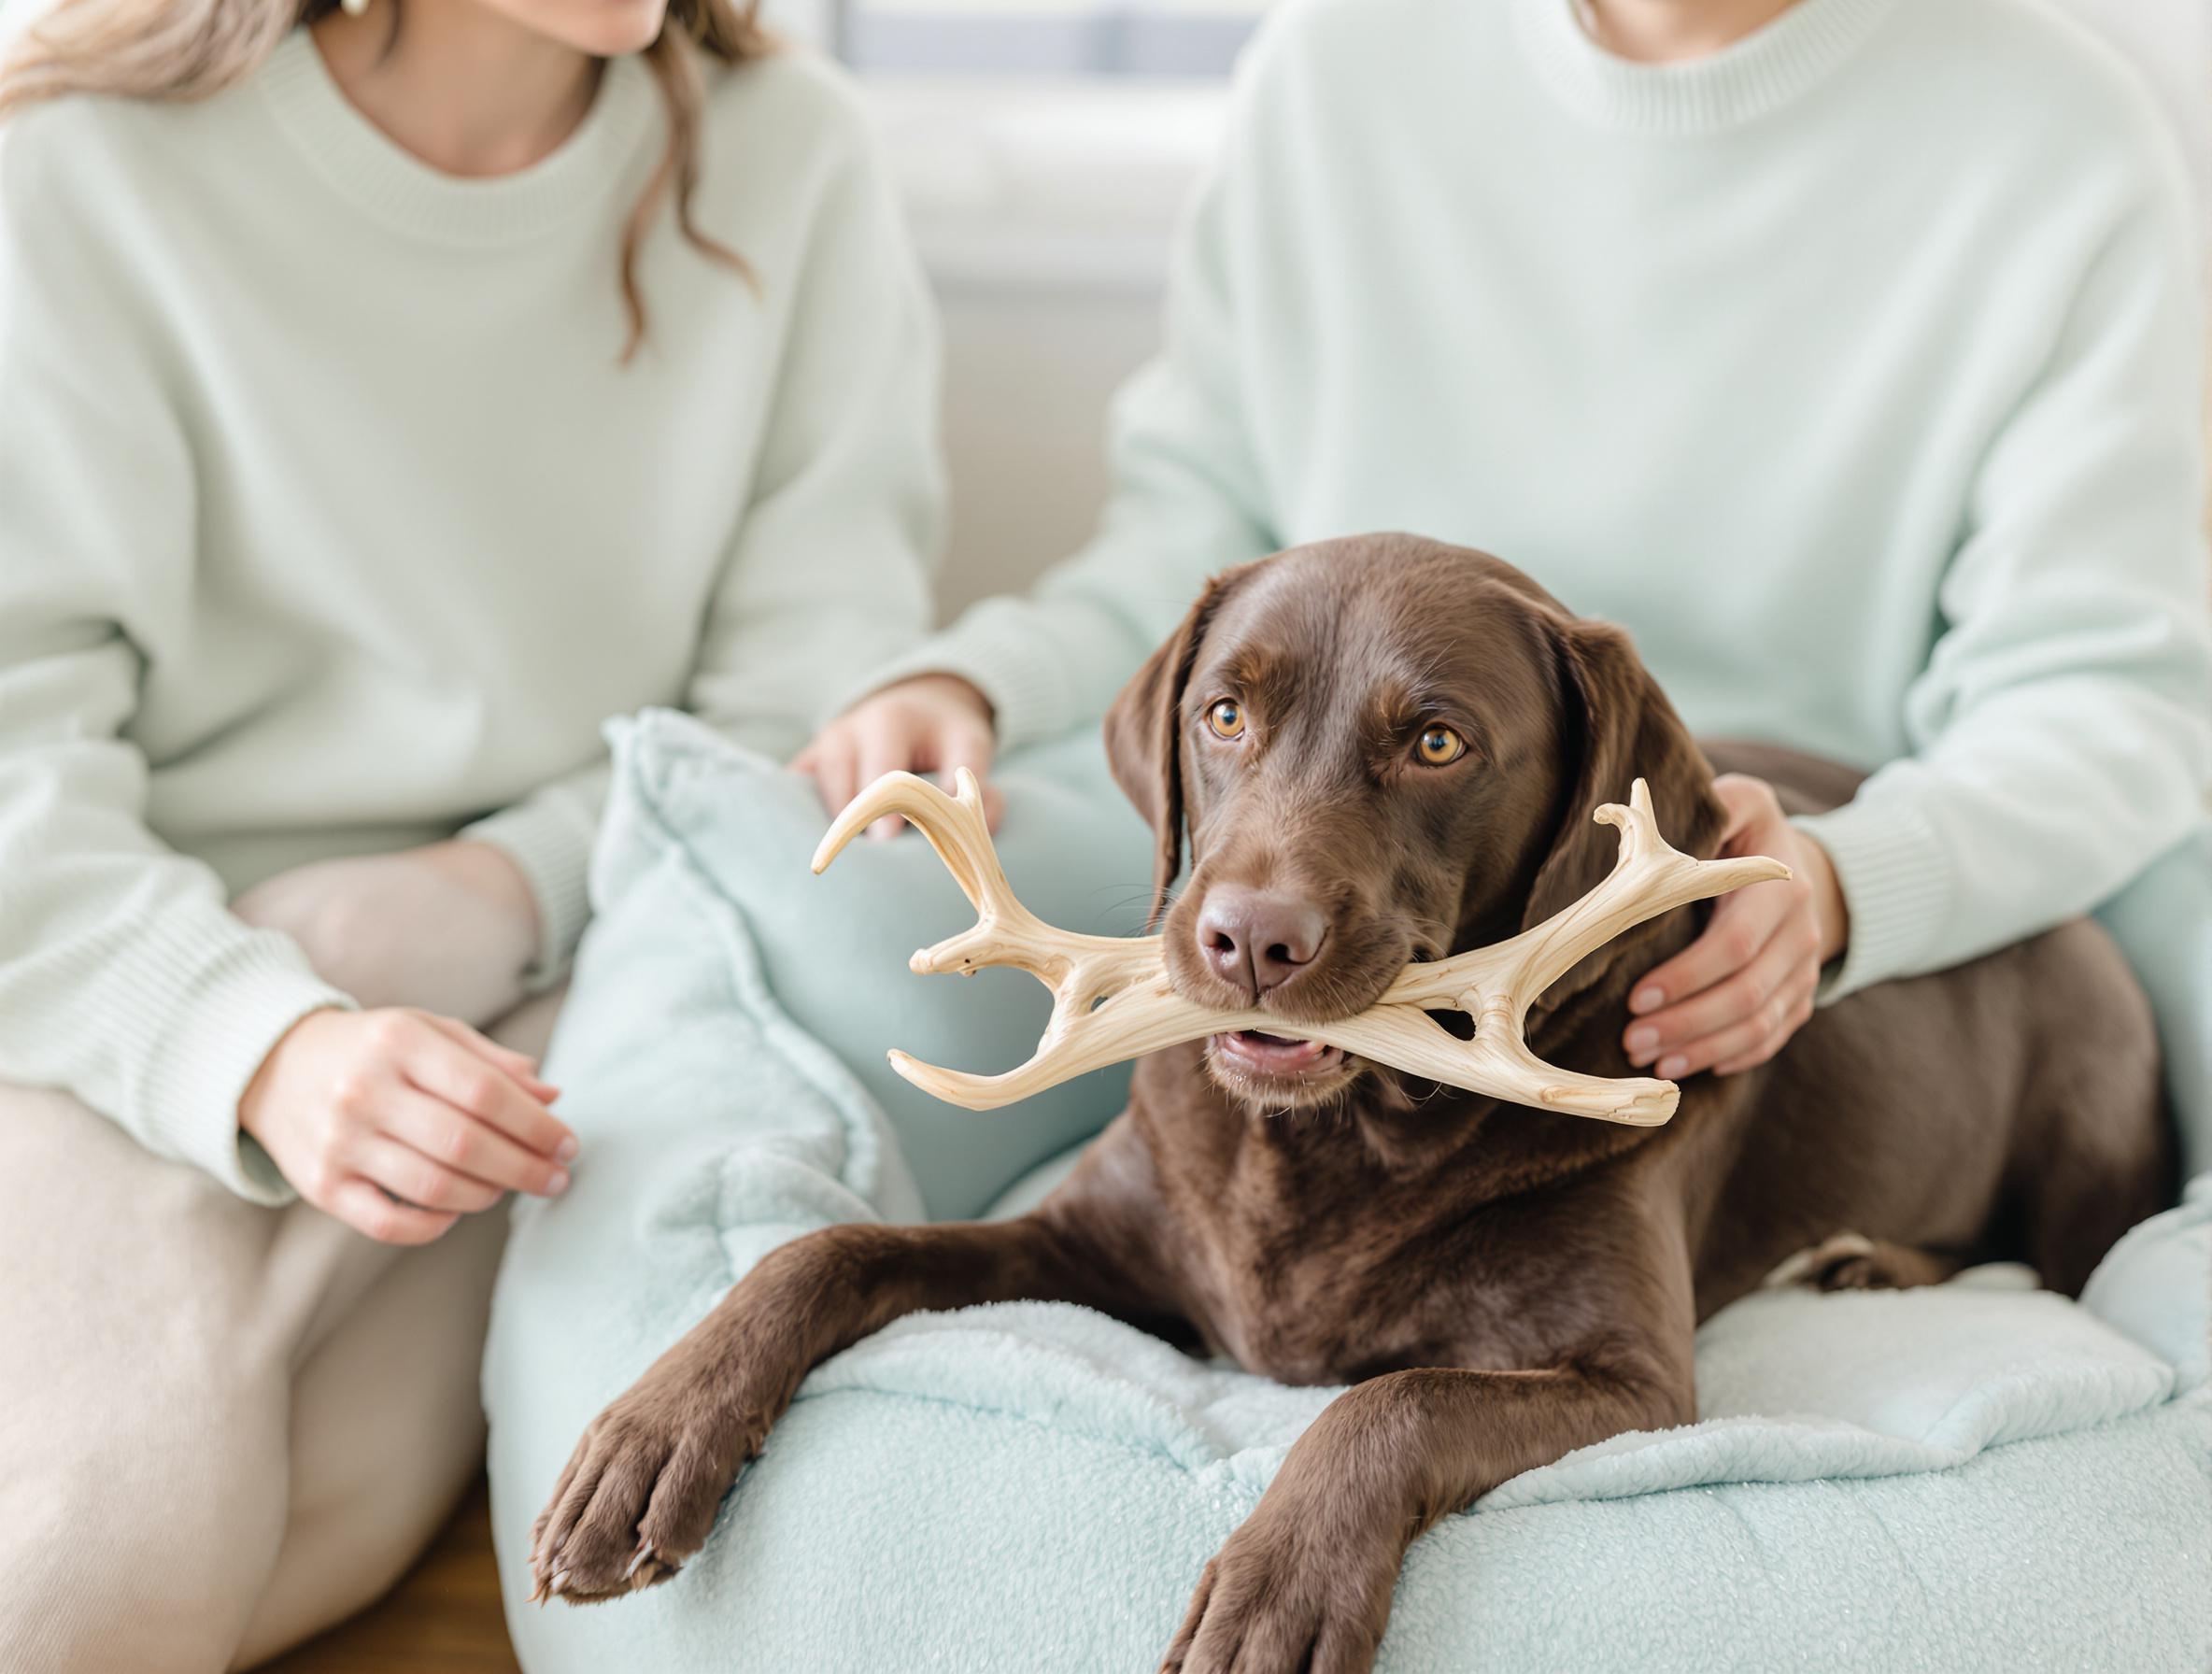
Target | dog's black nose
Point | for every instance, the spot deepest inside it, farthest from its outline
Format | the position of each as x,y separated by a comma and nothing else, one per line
1256,940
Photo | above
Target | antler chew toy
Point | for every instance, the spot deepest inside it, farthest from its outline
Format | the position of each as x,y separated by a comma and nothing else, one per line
1112,998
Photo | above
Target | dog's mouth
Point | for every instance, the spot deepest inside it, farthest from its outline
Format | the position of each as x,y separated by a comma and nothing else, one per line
1274,1069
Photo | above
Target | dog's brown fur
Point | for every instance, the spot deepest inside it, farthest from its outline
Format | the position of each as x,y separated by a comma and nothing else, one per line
1498,1286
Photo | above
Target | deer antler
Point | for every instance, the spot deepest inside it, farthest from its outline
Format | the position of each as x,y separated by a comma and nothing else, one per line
1112,998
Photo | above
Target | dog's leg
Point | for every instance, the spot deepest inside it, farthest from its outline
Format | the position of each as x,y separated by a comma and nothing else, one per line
640,1493
1306,1581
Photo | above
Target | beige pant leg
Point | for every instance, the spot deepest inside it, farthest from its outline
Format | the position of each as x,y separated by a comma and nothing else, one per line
149,1322
152,1463
387,1432
388,1420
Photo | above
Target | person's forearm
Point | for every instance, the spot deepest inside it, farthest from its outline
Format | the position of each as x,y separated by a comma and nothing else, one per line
2009,827
547,837
450,927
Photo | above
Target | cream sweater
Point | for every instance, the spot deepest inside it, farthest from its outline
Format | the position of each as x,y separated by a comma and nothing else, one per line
1854,369
330,522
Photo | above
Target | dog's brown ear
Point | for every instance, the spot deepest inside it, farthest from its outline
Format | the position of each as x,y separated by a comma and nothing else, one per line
1144,735
1625,729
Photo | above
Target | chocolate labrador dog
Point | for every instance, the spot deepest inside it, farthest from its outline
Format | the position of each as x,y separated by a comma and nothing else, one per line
1386,750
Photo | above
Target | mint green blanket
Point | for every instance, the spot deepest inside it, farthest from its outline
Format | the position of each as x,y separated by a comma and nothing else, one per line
1978,1476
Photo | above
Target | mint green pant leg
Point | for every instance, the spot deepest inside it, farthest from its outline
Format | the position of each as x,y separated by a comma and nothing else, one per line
2163,922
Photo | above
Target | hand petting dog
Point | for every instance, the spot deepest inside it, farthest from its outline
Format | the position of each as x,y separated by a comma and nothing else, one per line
1734,997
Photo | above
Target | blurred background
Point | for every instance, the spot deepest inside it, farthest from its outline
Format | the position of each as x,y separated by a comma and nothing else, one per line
1045,149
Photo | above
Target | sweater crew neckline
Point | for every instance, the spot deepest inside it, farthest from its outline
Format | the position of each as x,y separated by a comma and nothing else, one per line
1749,78
368,166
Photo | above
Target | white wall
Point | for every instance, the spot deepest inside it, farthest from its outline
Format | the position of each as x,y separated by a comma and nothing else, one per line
1029,372
1045,214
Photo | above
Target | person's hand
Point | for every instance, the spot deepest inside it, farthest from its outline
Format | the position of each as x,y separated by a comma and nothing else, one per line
399,1123
449,928
1733,997
930,724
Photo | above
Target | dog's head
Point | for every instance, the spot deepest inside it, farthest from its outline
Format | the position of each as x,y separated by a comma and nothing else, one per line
1383,749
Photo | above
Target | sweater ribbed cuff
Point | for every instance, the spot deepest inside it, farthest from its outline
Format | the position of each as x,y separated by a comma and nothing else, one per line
1896,885
549,839
227,1017
999,652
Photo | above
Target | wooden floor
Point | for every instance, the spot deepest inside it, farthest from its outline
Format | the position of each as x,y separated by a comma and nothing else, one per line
442,1619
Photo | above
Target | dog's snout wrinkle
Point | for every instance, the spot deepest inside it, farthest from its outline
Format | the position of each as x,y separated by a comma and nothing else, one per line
1257,940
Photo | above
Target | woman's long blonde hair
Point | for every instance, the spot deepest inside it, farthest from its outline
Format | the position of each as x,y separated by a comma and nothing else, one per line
191,49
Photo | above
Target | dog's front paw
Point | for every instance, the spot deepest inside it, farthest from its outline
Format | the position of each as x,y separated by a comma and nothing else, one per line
1279,1598
640,1493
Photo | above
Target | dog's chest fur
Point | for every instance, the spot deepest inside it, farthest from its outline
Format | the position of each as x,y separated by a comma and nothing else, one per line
1307,1257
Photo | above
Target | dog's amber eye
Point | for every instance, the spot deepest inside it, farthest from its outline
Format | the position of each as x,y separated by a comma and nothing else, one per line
1438,747
1226,717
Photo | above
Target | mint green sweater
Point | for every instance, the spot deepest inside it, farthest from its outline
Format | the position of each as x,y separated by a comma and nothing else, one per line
1854,369
331,521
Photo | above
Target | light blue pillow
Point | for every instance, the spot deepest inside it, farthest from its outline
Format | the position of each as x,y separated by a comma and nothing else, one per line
833,949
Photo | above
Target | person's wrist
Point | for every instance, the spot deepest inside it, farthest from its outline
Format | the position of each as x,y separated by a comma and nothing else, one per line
253,1102
956,690
1830,912
490,871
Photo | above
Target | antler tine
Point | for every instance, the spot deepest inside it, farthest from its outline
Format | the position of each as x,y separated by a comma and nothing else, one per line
1131,1023
1109,995
953,825
1005,932
1498,1063
892,793
1651,876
